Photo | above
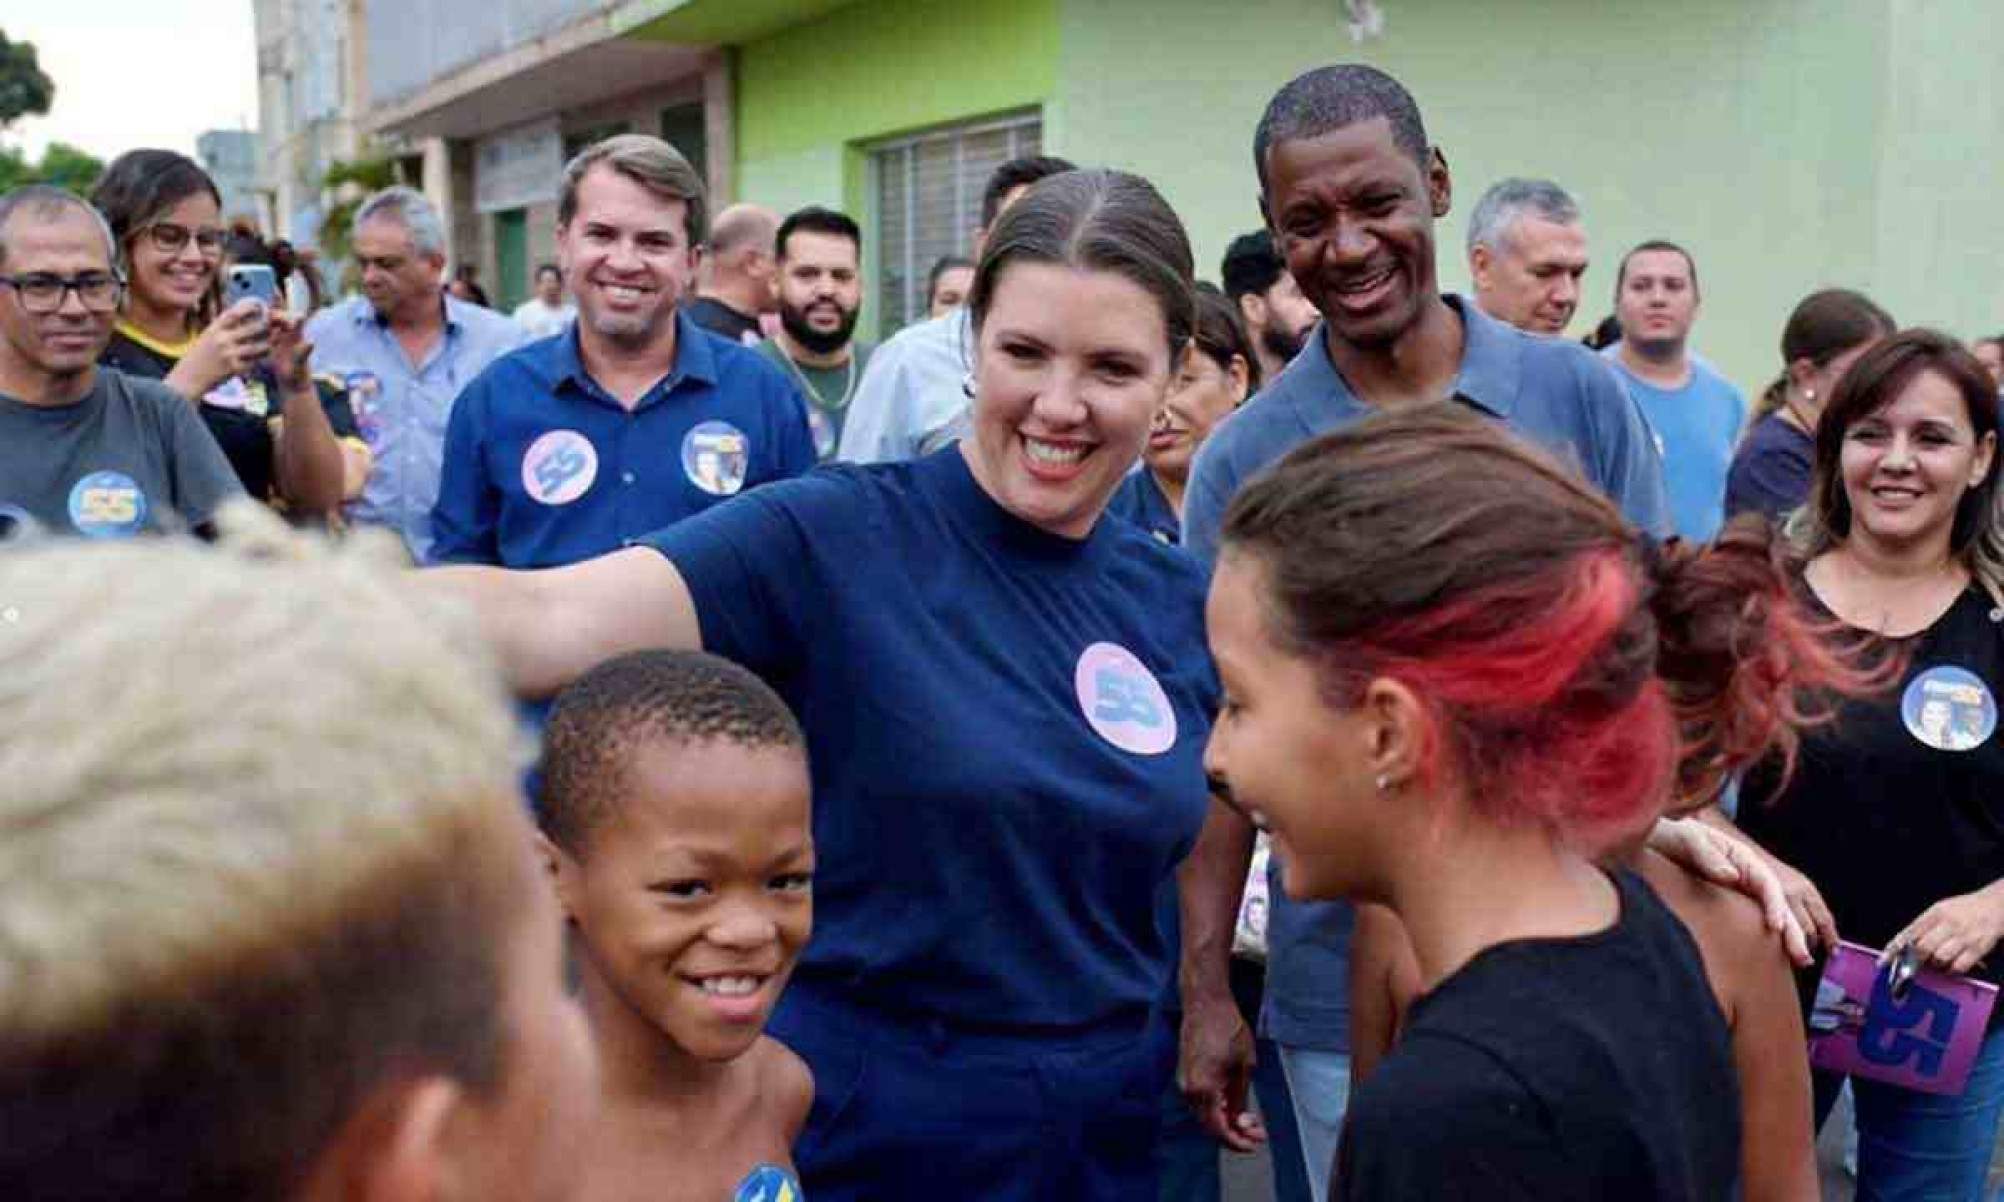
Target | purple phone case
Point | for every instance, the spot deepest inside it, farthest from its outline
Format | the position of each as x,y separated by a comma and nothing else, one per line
1926,1041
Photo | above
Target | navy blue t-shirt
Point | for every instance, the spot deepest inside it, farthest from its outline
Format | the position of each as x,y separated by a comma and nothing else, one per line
1771,471
1555,393
543,467
1006,729
1139,500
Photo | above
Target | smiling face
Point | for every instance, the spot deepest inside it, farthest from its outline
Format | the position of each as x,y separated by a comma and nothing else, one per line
693,901
1907,465
1657,302
1353,215
1071,366
1531,277
176,281
1302,768
1201,397
626,256
48,347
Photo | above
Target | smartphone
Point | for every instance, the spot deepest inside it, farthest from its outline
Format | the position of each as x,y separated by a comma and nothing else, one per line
253,281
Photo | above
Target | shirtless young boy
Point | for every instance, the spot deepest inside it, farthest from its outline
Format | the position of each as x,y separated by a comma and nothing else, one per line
675,821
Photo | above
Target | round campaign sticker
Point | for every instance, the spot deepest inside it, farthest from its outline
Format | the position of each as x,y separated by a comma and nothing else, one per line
1123,700
1949,709
716,456
107,505
559,467
768,1183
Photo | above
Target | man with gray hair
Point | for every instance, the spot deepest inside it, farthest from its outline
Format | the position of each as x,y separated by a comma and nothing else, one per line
83,449
1526,254
405,350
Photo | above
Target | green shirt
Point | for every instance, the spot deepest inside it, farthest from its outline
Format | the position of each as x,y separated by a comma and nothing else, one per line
827,390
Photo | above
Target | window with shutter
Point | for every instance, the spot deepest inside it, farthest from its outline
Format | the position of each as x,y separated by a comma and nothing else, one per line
928,192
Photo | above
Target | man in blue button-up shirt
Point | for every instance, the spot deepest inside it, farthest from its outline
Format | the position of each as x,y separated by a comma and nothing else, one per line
1351,190
405,350
634,418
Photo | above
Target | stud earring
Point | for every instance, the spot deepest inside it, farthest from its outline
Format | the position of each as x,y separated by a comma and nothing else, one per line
1809,394
1384,782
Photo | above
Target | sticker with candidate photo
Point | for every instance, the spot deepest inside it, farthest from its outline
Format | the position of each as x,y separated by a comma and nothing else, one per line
1123,701
107,505
365,391
559,467
716,457
1949,709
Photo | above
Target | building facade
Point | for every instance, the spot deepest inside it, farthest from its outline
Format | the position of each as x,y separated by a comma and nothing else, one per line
310,64
230,156
1791,144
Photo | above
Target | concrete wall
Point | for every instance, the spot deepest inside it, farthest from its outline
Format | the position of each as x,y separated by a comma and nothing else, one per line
1791,144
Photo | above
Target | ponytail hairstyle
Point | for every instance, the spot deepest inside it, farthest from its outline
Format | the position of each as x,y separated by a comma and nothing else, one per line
1823,326
1575,675
1878,378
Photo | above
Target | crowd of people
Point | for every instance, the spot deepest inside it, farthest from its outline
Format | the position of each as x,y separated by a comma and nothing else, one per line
658,743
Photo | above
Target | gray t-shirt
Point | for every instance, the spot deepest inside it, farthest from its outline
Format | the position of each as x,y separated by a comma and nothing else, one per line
132,455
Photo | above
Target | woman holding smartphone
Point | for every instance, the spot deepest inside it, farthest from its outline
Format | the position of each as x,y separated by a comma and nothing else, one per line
240,365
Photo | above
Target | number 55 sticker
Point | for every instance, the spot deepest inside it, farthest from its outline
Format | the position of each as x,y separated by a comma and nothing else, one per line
1923,1037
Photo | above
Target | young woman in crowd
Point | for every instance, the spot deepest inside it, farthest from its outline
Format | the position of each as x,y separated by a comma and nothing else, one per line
1213,382
1457,682
238,366
946,285
1823,337
979,1005
1890,821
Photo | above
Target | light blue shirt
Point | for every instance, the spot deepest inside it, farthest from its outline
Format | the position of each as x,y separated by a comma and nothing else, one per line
401,411
1696,428
1552,392
913,397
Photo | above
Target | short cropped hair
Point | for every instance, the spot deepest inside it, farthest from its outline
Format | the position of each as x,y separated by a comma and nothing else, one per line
1621,272
1251,266
1014,174
411,209
1327,99
816,220
1508,200
610,711
260,856
48,202
648,161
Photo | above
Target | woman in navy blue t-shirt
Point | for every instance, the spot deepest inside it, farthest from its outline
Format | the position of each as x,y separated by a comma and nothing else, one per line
1006,700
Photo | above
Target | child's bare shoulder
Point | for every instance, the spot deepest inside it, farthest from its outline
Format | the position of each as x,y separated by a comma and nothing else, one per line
1719,918
786,1083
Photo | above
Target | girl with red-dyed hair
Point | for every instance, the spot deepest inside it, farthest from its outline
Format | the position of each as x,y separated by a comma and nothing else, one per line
1457,684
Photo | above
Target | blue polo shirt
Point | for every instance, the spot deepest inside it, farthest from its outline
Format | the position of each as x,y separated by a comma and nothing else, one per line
543,467
1559,395
1140,500
1696,429
1006,730
401,409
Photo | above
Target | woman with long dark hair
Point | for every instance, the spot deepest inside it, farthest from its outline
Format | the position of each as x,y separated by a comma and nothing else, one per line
1890,827
238,365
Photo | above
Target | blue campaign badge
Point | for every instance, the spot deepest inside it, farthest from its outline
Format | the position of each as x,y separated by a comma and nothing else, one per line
365,390
1949,709
768,1183
107,505
716,456
1122,700
559,467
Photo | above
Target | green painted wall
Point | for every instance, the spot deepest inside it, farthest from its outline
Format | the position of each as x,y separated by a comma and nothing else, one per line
1790,143
876,69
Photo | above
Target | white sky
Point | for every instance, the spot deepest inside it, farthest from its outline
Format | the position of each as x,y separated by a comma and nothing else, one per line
134,73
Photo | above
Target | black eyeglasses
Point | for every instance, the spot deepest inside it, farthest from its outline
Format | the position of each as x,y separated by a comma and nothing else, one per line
43,293
169,238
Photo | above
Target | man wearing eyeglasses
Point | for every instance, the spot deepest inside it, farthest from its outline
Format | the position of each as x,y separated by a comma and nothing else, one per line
85,450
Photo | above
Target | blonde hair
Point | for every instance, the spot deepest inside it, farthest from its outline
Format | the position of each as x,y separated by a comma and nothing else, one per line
259,853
